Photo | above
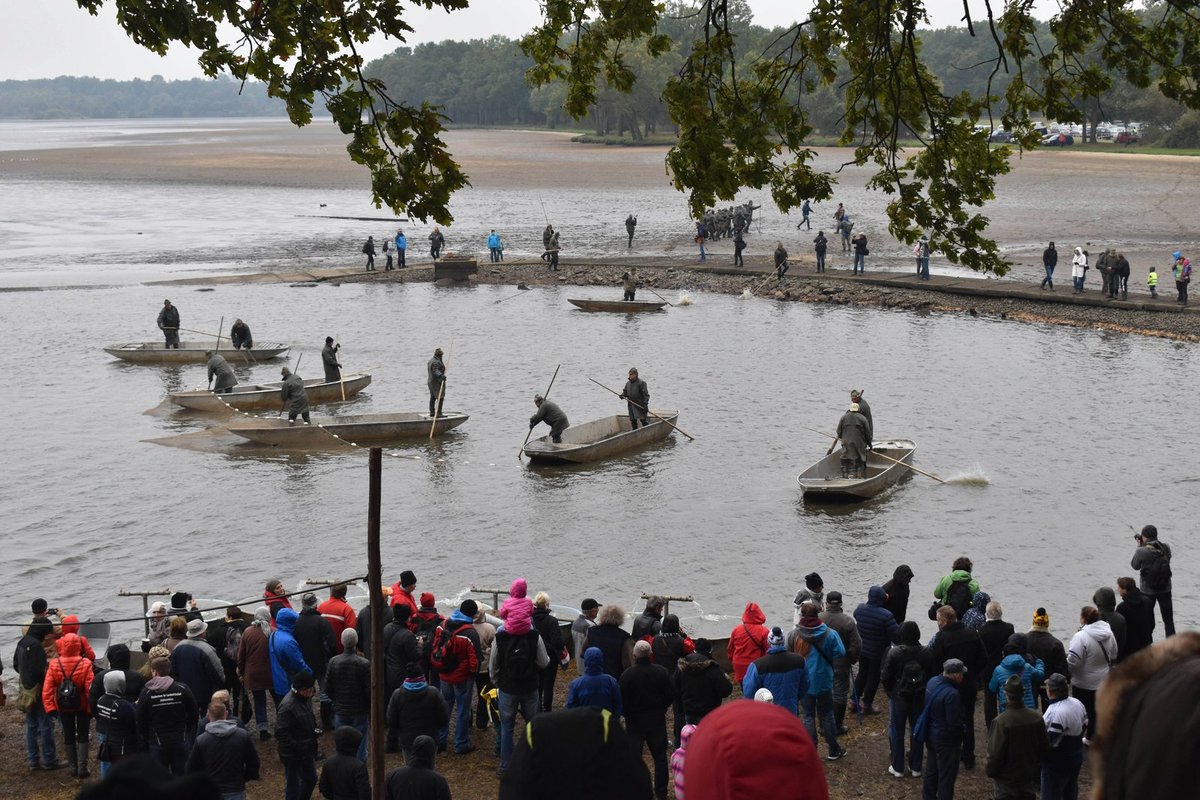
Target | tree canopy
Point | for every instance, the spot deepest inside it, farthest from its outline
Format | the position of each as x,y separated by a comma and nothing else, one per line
740,106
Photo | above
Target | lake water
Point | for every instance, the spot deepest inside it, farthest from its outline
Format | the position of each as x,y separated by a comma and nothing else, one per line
1079,434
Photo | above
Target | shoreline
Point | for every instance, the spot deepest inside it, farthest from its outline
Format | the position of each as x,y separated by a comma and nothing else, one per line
1002,299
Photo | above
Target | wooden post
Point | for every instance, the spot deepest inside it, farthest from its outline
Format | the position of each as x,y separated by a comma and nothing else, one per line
375,587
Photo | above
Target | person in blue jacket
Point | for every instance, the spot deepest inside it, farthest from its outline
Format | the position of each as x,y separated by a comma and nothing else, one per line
286,659
494,245
878,628
941,728
1015,662
401,248
781,672
821,646
595,687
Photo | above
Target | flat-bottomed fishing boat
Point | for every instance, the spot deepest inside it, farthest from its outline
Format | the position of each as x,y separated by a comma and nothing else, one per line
823,481
360,429
265,396
600,439
618,306
193,352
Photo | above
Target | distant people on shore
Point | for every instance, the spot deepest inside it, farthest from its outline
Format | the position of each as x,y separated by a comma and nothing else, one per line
630,226
820,245
861,252
805,210
1049,261
368,249
701,238
1079,268
387,253
1181,270
401,249
495,253
437,241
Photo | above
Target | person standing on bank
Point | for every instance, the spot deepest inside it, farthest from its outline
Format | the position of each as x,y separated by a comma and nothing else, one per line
239,335
369,252
493,243
820,245
329,360
781,262
854,432
550,414
219,368
630,225
739,244
860,254
168,323
437,241
1153,559
922,250
387,253
943,731
553,251
1049,262
637,396
1079,266
294,396
435,372
805,210
401,248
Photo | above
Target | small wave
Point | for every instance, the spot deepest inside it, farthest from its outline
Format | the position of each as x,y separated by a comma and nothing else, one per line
971,476
747,294
685,299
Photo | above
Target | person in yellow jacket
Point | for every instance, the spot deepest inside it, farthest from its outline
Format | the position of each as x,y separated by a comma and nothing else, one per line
1152,282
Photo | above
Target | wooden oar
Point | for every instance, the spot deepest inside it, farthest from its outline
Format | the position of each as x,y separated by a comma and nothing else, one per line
437,409
521,452
881,455
189,330
660,297
510,297
648,411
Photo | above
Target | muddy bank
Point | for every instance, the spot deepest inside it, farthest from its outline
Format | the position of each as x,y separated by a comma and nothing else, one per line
833,287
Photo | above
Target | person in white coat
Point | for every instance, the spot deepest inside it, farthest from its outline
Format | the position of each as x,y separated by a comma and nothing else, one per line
1091,655
1079,268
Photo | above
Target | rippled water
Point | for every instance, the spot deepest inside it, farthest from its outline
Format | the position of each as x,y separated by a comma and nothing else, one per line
1078,433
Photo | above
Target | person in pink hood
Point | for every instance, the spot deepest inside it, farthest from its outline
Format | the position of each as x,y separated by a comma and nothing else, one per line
519,621
517,598
679,757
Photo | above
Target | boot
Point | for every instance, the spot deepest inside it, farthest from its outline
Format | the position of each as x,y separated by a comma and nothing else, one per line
839,716
83,759
72,760
845,468
327,716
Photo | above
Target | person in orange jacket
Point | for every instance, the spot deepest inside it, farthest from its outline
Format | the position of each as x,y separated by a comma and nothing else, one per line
748,641
70,666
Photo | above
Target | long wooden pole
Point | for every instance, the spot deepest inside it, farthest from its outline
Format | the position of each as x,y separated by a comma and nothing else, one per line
546,396
881,455
660,297
375,587
648,411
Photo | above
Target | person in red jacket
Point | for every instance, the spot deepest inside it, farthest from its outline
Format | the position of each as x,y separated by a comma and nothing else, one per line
275,598
70,624
748,641
402,591
338,613
70,665
455,656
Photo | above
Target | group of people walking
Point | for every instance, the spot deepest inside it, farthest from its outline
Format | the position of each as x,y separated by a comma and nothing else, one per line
1115,271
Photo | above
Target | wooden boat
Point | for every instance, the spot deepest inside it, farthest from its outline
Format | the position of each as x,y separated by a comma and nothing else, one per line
193,352
602,438
265,396
823,481
361,429
619,306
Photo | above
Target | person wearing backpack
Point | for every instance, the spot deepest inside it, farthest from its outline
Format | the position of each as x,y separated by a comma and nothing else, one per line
940,729
821,648
1153,559
748,641
906,669
226,638
546,624
517,654
369,251
956,641
65,696
455,657
878,630
1090,656
957,588
425,624
846,628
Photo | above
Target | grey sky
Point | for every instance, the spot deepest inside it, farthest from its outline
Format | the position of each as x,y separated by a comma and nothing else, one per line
48,38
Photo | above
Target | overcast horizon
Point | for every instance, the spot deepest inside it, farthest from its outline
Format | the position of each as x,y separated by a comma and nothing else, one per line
53,38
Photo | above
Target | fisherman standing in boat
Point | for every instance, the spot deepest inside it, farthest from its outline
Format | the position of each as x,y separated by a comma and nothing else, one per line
333,370
219,368
629,284
637,393
436,374
856,396
168,323
239,335
550,414
854,432
295,397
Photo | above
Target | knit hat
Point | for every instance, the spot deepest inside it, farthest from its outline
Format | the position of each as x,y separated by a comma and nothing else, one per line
179,600
588,604
775,638
114,681
349,639
703,646
328,340
641,649
428,600
764,695
469,608
408,578
39,606
910,632
1013,688
309,600
813,582
1057,683
196,628
413,672
1041,620
303,680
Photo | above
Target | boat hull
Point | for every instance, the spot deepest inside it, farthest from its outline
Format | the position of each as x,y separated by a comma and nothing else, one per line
823,481
617,306
193,352
600,439
265,396
367,430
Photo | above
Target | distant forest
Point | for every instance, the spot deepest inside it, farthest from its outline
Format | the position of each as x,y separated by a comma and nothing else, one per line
482,82
72,98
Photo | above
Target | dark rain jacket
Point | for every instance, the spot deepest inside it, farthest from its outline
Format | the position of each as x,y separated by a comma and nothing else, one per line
435,374
314,634
646,694
333,370
293,394
876,625
701,684
853,429
165,711
344,777
1139,622
898,590
416,709
552,415
226,753
295,728
240,336
219,368
637,392
418,780
348,684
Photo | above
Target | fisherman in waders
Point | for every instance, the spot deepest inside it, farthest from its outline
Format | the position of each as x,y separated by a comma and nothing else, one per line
436,374
629,284
853,431
168,323
219,368
781,263
856,396
550,414
637,395
294,396
333,370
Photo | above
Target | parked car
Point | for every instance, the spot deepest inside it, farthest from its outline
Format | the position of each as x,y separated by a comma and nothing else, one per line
1058,140
1127,137
1001,136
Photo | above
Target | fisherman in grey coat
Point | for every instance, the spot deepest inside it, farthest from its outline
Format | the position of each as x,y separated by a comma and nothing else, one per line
436,374
550,414
294,396
637,393
854,432
329,360
856,396
219,368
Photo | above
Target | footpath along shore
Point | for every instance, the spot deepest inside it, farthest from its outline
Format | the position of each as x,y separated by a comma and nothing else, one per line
993,297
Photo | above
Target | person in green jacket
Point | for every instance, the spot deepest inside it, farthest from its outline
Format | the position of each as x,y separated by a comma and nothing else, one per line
294,396
947,593
219,368
550,414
